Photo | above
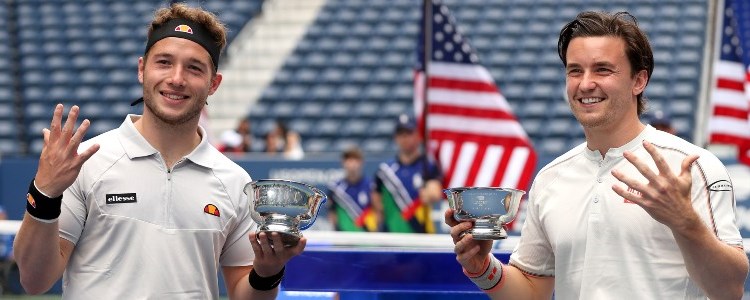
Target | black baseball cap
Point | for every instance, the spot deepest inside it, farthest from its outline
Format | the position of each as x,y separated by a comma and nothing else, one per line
405,123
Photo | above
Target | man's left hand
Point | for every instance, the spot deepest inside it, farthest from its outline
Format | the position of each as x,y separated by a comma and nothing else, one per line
666,195
270,254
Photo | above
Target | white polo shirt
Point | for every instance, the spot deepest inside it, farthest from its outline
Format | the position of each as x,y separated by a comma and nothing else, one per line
145,232
599,246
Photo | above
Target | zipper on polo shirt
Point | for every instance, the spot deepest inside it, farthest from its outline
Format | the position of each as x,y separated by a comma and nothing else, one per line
169,171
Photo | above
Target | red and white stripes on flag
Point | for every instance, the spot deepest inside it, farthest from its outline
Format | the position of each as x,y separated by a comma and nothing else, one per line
471,128
729,122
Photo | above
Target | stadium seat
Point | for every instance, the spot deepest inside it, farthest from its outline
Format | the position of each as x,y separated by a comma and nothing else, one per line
377,145
316,144
9,146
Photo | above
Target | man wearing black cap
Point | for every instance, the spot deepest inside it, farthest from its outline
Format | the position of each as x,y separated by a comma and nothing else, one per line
149,210
661,121
407,186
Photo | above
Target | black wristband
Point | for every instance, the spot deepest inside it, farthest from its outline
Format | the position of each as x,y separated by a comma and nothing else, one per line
40,206
265,283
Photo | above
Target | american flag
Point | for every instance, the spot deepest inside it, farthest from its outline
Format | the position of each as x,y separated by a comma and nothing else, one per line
471,128
730,97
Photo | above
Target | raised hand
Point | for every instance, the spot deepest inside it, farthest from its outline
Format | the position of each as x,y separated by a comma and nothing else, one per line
470,253
271,257
60,162
666,195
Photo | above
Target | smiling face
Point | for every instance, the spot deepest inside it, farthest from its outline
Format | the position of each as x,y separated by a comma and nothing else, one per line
177,77
602,90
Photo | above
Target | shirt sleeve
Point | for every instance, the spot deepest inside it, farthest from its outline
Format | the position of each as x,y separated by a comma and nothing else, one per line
713,199
237,250
73,211
533,253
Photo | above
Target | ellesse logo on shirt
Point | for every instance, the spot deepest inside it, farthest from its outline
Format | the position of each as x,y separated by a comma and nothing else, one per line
120,198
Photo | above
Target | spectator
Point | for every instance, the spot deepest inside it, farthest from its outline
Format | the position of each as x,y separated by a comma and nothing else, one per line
407,186
237,140
350,206
283,140
661,121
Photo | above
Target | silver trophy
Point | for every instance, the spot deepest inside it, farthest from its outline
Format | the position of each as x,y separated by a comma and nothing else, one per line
284,206
490,208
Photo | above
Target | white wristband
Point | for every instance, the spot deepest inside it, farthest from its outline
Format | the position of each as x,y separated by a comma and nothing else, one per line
43,220
492,275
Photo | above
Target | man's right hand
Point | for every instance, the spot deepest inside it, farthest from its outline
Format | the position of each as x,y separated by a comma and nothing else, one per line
60,162
470,253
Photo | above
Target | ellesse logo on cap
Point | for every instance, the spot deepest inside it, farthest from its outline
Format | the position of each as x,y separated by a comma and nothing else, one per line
184,28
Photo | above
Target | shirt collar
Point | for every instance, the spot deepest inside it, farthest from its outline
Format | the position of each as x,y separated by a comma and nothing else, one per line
135,145
617,152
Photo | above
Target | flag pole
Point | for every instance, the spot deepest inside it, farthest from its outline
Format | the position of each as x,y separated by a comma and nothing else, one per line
427,46
427,43
700,134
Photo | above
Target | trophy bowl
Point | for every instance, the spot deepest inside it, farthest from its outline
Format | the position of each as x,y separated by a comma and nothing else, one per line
284,206
490,208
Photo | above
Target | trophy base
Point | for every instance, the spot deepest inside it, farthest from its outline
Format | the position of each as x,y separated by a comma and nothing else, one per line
488,233
286,226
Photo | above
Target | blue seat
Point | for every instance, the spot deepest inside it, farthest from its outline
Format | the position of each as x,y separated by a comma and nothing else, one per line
8,128
295,93
375,92
35,146
312,109
283,110
101,126
533,127
115,93
6,95
349,91
6,80
32,62
85,93
8,146
383,127
333,75
366,109
34,94
342,143
355,128
303,126
377,145
339,109
328,127
552,146
258,110
7,111
62,76
316,145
